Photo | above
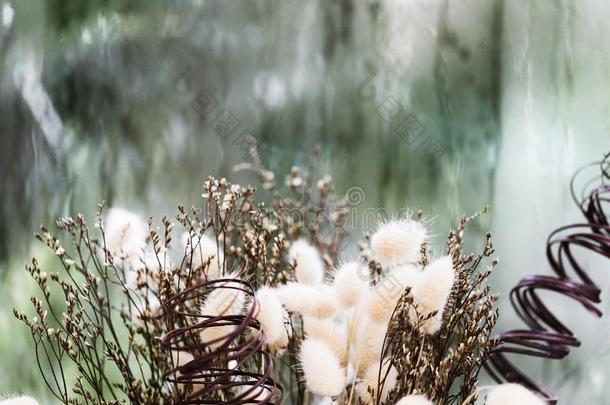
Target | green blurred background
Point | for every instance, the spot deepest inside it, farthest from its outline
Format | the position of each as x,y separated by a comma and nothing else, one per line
441,105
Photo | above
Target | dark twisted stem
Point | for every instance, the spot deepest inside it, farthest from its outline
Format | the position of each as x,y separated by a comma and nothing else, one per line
208,378
547,336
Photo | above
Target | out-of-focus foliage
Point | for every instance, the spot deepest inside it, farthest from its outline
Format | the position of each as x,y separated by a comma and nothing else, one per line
124,82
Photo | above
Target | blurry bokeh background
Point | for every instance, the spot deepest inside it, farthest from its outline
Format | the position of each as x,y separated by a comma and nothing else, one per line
446,106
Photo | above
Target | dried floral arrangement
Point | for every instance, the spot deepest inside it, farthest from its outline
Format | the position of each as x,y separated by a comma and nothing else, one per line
255,303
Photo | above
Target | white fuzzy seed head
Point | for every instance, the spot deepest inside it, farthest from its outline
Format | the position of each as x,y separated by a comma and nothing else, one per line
225,300
201,248
331,333
370,379
414,400
317,301
19,401
271,316
386,294
398,241
351,279
309,266
321,368
367,347
125,234
356,315
434,290
511,394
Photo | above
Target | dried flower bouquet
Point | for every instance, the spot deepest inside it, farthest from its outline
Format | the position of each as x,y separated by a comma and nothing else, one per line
255,303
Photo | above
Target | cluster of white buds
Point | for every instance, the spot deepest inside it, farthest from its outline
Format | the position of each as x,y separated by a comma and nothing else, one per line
345,321
336,315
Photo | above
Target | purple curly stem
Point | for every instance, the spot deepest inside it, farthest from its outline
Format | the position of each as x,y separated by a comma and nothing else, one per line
547,337
209,372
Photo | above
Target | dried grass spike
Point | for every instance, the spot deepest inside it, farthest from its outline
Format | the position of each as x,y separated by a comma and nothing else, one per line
309,267
227,299
271,316
367,387
321,368
351,279
434,290
329,331
398,241
317,301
